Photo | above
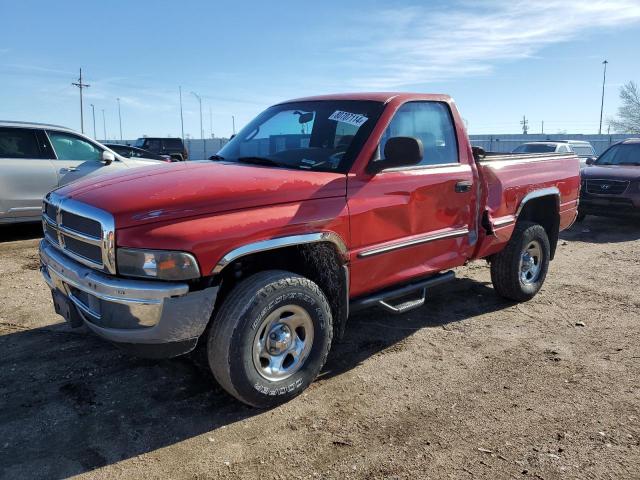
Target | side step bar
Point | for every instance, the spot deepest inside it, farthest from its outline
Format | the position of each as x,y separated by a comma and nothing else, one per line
385,297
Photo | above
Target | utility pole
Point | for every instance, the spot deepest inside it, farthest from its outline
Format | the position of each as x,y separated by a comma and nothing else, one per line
93,112
525,125
181,117
81,85
543,127
604,80
201,129
233,122
119,117
104,126
210,122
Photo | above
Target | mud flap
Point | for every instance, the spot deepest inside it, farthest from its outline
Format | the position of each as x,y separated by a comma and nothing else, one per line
66,309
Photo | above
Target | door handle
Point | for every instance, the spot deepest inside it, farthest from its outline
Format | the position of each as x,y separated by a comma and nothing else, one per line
70,169
463,186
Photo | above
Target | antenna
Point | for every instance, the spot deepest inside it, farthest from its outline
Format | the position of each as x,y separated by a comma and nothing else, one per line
81,85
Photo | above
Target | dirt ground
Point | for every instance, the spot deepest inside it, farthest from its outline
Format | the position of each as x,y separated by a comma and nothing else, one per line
468,386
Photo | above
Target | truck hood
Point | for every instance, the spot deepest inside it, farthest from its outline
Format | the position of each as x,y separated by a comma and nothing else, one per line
185,189
612,172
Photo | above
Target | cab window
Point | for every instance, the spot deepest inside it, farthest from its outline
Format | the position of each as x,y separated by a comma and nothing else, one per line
70,147
429,122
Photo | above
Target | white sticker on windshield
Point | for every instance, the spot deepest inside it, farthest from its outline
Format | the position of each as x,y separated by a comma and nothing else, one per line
350,118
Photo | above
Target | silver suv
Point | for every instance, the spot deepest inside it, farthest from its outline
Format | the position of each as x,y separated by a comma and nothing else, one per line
36,158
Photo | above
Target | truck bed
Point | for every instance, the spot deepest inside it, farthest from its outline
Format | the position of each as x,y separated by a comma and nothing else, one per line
507,180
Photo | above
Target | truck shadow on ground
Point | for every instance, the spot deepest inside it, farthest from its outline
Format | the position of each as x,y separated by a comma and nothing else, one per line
603,230
20,231
71,403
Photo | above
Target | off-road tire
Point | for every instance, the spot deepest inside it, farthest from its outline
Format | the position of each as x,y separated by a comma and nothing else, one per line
234,328
505,266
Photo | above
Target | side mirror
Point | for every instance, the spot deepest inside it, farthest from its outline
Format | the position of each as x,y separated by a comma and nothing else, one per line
107,157
478,153
400,152
590,161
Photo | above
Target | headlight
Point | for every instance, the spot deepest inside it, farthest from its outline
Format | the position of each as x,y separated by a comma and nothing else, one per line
160,264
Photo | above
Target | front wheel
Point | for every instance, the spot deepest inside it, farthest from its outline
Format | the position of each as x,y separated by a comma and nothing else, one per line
519,271
270,338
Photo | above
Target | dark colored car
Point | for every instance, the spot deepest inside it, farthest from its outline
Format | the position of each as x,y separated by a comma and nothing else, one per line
128,151
611,184
174,147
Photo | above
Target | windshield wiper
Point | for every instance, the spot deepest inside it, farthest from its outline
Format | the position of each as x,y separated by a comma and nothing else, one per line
216,157
261,161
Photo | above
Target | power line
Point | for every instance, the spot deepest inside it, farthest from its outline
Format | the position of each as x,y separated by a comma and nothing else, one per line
93,112
604,80
81,85
119,117
104,126
181,117
204,148
525,125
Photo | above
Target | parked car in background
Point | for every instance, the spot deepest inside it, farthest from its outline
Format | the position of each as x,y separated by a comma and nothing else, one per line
318,207
35,158
611,184
174,147
128,151
542,147
584,150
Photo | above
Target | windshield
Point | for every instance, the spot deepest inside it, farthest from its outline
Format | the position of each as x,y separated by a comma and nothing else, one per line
317,135
621,154
535,148
139,142
583,150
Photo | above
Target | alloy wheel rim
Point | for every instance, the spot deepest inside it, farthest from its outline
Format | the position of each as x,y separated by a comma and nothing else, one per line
282,342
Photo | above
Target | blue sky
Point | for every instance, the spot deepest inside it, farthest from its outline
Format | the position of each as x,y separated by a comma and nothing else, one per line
499,59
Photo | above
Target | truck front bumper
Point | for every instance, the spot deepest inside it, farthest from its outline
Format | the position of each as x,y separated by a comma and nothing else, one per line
149,318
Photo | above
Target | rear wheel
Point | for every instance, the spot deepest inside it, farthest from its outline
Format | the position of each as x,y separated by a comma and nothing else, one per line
270,338
519,271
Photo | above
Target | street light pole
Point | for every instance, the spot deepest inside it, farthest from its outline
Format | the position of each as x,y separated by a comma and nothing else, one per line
604,80
181,117
201,129
93,112
104,126
81,85
119,117
233,123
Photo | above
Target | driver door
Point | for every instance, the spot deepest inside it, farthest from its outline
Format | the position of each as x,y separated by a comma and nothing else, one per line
76,157
409,222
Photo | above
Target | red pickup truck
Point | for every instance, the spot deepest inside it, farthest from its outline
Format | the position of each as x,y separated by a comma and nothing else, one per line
318,207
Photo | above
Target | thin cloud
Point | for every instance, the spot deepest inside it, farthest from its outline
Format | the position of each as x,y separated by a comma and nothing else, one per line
417,45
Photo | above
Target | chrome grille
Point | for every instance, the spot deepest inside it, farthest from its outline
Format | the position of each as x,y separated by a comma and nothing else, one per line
84,225
606,187
83,232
